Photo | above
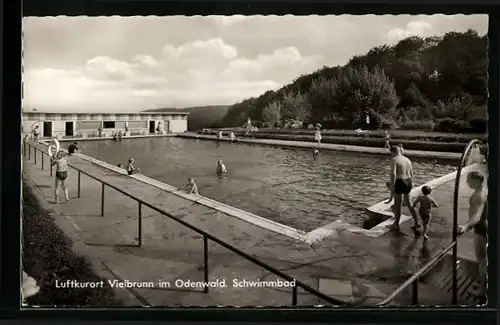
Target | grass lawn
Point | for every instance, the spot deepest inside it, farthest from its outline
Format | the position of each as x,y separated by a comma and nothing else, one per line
48,258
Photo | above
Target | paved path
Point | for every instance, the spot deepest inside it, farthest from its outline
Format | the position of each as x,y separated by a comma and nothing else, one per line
328,146
352,267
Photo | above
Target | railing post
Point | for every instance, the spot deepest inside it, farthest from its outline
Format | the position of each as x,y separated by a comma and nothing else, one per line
205,258
34,152
414,292
51,167
42,159
294,295
79,180
29,152
102,200
139,228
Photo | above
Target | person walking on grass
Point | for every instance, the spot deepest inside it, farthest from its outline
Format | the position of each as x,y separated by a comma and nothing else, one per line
61,175
401,183
317,135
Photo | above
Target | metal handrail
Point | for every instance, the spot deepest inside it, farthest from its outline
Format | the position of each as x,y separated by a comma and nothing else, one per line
413,280
206,236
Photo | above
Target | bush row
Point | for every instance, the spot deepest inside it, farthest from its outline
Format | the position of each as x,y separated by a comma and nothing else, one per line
48,257
397,135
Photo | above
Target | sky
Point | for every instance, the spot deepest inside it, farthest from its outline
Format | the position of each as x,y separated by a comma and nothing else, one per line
125,64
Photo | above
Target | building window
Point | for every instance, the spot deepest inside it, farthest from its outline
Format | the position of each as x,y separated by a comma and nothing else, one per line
108,124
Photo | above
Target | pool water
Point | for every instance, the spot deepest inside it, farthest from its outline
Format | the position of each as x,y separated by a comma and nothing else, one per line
281,184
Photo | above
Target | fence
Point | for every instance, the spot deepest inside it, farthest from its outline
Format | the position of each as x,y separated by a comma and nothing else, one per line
206,236
413,281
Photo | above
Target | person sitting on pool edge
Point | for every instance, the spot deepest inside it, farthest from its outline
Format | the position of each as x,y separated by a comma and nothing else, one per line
221,168
73,148
130,167
193,187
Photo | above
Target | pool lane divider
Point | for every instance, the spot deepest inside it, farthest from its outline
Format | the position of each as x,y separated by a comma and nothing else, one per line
312,237
327,146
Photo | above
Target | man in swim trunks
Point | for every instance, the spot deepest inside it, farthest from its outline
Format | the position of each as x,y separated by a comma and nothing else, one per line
61,175
73,148
130,167
401,182
36,134
478,221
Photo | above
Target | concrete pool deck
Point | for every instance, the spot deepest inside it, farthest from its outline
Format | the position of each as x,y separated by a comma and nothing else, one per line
349,266
327,146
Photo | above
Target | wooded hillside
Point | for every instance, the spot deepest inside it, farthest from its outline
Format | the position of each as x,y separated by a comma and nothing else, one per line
434,83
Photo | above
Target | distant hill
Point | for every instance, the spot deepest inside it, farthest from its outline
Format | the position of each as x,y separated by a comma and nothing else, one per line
200,117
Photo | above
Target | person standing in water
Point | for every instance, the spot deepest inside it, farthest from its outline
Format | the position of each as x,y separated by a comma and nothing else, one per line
221,168
401,182
61,175
478,221
73,148
315,154
317,135
130,167
193,188
36,134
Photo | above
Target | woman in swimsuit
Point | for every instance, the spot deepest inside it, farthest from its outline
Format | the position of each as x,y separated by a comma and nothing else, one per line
317,135
61,175
478,214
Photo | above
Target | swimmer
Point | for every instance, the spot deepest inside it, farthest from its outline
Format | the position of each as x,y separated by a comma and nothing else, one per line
221,168
120,135
193,187
61,175
426,204
478,221
73,148
315,154
130,167
401,183
119,166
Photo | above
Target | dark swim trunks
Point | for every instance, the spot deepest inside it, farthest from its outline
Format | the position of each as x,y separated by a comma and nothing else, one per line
481,228
61,175
130,172
403,186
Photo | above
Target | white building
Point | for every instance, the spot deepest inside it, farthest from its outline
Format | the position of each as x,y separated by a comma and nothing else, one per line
82,125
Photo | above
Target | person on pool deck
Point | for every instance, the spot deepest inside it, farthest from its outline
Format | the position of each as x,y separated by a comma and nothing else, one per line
387,143
478,214
193,188
221,168
315,154
130,167
401,182
36,134
402,149
425,210
73,148
61,175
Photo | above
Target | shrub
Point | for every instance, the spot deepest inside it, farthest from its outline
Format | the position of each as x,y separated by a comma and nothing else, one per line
417,125
387,123
451,125
479,125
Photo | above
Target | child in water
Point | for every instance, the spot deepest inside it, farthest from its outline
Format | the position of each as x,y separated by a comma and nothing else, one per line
315,154
130,167
193,187
425,211
221,168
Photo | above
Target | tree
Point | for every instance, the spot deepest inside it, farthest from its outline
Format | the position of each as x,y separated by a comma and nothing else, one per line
295,107
360,92
322,99
271,114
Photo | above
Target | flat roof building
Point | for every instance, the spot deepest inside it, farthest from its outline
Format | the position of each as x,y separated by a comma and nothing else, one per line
82,125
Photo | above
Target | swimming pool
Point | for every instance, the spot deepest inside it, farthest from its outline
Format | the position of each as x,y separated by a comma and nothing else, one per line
284,185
